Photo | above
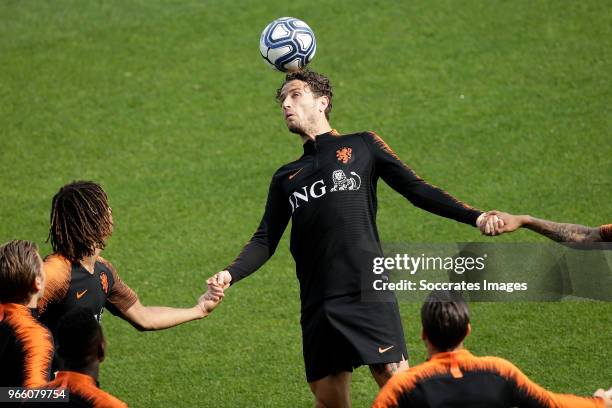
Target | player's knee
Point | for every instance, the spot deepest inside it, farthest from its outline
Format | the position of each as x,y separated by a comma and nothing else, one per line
332,391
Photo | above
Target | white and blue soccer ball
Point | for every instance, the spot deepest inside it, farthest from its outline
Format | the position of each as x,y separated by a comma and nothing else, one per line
287,44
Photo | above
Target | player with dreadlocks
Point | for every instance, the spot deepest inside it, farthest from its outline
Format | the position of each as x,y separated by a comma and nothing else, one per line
77,276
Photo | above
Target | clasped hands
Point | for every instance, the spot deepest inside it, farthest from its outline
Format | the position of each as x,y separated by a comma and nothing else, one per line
496,222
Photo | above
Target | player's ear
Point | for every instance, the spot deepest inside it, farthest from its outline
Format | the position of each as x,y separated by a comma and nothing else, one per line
38,285
323,103
469,330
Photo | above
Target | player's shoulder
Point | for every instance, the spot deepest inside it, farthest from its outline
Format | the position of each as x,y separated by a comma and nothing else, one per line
353,136
371,139
56,265
493,364
105,262
106,265
287,169
21,316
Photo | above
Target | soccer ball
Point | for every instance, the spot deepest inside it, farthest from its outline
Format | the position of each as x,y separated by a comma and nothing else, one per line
287,44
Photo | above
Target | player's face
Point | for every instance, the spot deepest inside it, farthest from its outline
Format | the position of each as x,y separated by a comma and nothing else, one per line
300,106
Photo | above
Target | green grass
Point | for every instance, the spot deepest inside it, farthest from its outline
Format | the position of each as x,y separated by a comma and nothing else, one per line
504,104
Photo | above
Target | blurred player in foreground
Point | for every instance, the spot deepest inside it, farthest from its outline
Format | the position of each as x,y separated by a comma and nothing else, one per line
82,347
329,194
77,276
26,346
454,377
560,232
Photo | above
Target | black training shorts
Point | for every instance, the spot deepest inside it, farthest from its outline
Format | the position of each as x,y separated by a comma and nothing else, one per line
343,333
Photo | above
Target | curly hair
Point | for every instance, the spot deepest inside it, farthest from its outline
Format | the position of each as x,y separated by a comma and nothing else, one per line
81,220
319,85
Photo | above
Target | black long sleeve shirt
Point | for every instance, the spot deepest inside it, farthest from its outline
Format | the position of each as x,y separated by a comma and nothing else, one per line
329,193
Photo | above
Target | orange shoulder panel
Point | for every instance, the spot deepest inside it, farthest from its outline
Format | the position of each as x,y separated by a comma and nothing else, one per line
57,273
406,381
36,342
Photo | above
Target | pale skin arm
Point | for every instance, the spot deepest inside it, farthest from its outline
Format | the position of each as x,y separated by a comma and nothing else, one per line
560,232
147,318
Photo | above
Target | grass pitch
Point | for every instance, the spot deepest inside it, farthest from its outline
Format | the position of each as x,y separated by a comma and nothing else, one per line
166,103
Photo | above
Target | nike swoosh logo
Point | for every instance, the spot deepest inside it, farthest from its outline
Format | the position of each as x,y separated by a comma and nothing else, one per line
384,350
80,294
294,174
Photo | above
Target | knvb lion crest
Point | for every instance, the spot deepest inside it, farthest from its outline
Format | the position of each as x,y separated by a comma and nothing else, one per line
344,155
342,183
104,282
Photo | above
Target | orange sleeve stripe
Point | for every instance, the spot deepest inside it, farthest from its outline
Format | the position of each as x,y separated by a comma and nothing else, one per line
384,146
606,232
121,295
36,343
57,273
379,141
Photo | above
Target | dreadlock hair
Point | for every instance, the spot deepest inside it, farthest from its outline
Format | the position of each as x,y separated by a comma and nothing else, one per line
80,220
318,83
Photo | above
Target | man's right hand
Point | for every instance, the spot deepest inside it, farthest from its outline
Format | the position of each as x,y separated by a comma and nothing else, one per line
217,284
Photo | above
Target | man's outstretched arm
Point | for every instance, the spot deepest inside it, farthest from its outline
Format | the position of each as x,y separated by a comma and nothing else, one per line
123,299
557,231
405,181
161,317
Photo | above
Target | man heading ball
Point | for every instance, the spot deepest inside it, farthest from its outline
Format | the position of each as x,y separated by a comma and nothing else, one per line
329,194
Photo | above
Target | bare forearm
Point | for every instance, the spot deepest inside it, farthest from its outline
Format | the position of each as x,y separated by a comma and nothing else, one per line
161,317
561,232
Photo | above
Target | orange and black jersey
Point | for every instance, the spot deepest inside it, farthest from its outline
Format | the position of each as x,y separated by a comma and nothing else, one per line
606,232
71,285
83,392
26,348
458,379
329,194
